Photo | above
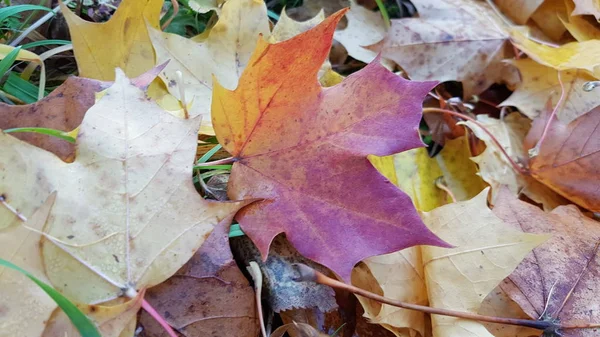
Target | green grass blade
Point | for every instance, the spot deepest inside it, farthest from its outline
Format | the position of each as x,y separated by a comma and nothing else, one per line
209,154
45,43
45,131
7,62
213,167
83,324
384,13
273,15
21,89
7,12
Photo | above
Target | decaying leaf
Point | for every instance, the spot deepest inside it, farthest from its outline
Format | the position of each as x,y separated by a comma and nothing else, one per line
121,42
24,306
121,221
325,134
209,296
62,110
280,288
583,7
568,158
494,167
418,173
460,278
451,40
518,10
573,55
581,27
540,85
547,19
364,28
558,280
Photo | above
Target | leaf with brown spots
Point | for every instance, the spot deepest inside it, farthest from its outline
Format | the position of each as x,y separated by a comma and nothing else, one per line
559,279
451,40
569,157
127,215
209,296
303,150
62,110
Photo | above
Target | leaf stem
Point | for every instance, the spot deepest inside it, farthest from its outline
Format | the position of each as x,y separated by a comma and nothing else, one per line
308,273
224,161
537,147
149,309
514,165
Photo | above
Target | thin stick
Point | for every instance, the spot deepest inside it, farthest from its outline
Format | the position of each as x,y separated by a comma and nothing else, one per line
256,274
149,309
514,165
228,160
440,184
12,209
309,274
175,4
36,24
536,150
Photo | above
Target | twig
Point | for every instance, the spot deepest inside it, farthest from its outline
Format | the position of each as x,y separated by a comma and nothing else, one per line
228,160
175,4
256,274
309,274
514,165
37,24
150,310
12,209
439,183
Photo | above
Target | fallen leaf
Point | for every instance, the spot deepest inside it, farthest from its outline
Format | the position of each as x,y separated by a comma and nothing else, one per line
24,306
311,8
286,27
417,174
224,54
567,160
63,109
209,296
540,85
451,40
205,6
131,178
591,7
495,168
325,134
112,321
518,10
365,28
300,330
121,42
580,27
546,17
281,290
558,280
497,303
460,278
573,55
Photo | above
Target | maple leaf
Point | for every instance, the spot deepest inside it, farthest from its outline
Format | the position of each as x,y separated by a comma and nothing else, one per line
458,279
451,40
121,221
578,26
25,306
495,168
518,10
540,84
573,55
417,174
121,42
364,28
568,158
583,7
325,134
546,18
63,109
227,306
558,280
